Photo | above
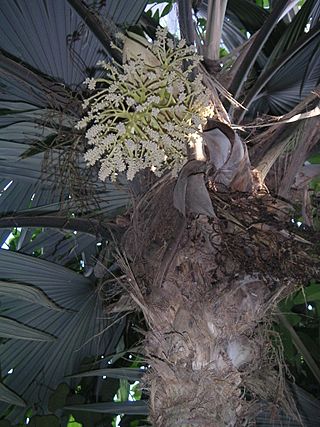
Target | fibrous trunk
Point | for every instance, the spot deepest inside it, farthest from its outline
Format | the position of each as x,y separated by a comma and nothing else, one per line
206,287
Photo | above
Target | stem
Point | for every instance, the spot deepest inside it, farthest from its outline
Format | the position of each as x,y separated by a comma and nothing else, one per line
215,18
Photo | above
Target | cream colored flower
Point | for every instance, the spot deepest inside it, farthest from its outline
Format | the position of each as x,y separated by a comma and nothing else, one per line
142,114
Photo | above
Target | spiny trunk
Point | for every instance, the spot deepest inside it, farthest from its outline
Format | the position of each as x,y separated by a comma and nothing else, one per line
206,287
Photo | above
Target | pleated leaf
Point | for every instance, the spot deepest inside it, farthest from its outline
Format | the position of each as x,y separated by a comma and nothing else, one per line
292,77
10,328
50,37
81,331
308,406
118,10
27,292
9,396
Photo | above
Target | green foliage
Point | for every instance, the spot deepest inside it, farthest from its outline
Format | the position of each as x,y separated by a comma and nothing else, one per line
156,13
263,3
123,391
302,310
167,9
58,398
44,421
73,423
135,391
14,240
223,52
314,159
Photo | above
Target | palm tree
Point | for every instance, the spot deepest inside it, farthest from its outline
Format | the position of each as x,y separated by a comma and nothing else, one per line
205,256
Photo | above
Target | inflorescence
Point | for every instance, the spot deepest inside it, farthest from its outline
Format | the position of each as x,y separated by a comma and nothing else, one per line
144,113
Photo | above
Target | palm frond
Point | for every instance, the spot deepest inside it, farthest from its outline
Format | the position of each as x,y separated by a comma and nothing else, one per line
51,37
82,330
8,396
243,71
27,293
282,81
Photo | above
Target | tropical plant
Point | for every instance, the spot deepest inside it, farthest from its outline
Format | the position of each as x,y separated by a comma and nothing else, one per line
170,272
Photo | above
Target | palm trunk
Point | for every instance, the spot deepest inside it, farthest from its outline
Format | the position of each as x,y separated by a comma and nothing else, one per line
206,287
203,334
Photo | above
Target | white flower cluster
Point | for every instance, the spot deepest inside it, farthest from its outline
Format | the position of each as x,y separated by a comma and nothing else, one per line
142,115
